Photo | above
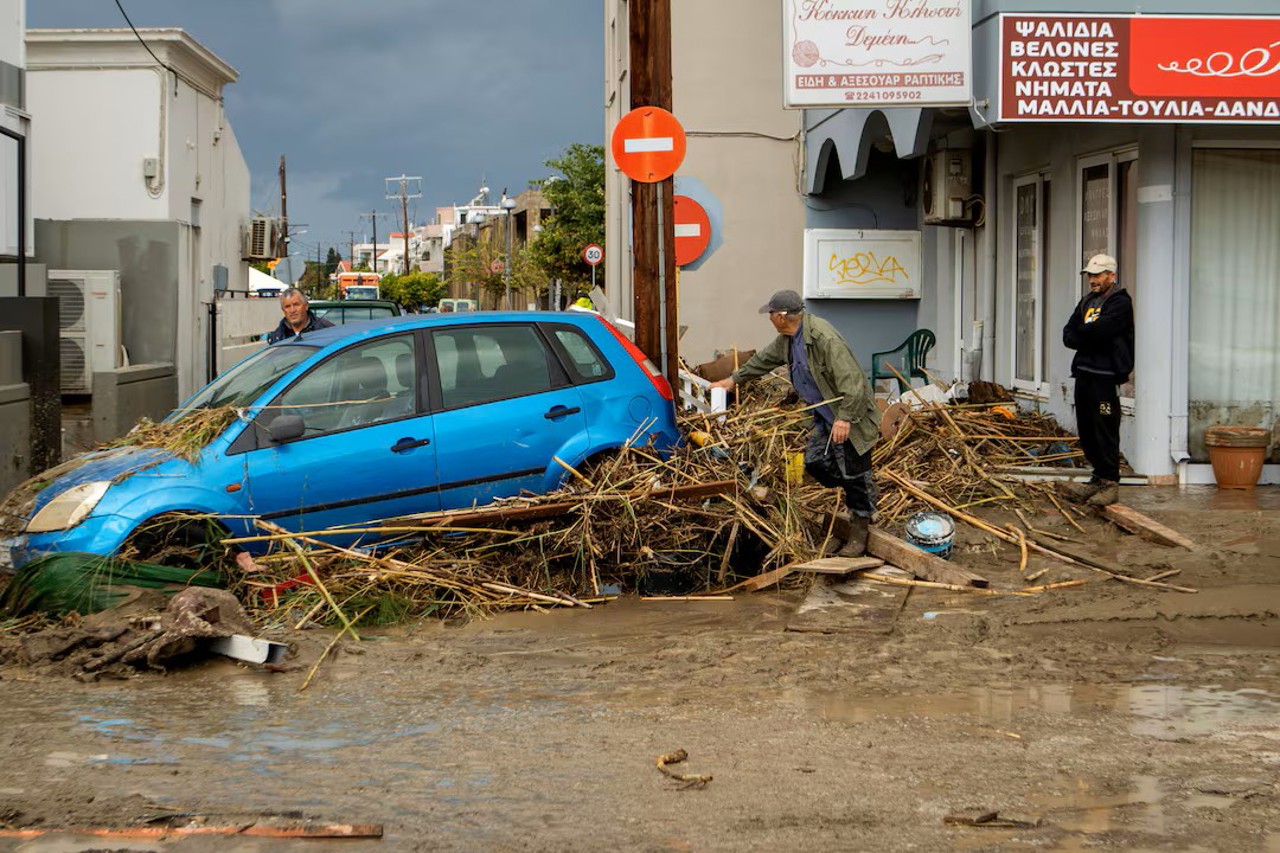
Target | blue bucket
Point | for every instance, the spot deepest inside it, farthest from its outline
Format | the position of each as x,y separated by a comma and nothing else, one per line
932,532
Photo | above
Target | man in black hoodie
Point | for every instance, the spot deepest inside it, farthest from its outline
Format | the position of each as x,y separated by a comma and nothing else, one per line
1101,332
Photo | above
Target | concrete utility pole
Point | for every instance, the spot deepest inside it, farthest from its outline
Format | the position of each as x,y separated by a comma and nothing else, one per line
372,216
650,25
282,241
408,189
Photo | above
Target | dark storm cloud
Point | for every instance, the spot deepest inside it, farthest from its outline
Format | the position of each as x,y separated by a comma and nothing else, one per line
353,92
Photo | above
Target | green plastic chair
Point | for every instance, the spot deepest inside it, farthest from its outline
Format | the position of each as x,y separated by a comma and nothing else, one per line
907,358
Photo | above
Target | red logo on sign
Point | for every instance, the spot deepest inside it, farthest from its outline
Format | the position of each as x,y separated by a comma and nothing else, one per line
1213,57
648,144
693,230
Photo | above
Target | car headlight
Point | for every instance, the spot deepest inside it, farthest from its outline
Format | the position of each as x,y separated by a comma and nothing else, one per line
69,508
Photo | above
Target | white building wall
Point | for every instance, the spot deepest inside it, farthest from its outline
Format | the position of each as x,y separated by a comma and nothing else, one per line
96,129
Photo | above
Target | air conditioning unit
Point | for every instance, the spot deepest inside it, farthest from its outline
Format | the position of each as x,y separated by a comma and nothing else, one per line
260,239
88,325
948,184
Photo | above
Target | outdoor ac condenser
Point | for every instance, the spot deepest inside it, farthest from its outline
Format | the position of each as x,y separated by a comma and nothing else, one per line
260,239
88,325
948,184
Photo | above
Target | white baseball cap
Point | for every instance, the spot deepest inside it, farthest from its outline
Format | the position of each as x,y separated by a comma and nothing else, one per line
1099,264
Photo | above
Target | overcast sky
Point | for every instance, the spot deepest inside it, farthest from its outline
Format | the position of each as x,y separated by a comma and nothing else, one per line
354,91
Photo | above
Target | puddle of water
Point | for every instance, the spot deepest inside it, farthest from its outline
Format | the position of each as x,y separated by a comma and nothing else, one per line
1163,711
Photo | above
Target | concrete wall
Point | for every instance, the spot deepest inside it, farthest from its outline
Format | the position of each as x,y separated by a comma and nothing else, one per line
15,414
122,397
147,255
36,319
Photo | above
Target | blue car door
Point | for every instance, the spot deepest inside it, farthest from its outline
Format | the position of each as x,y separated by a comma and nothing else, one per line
505,409
368,450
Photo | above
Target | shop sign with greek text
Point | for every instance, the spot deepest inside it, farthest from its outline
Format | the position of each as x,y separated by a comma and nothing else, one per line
847,263
877,53
1148,68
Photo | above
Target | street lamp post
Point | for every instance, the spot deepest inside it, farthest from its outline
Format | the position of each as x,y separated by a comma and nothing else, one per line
508,205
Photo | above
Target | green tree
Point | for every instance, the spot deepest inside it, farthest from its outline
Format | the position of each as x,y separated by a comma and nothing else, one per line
414,290
576,197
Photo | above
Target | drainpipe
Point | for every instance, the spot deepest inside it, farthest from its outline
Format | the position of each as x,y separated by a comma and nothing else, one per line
988,351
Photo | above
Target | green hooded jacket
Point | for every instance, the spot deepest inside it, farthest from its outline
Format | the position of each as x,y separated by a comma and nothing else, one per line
834,369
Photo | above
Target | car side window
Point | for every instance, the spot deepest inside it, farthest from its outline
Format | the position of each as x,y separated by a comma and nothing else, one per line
584,359
361,385
490,362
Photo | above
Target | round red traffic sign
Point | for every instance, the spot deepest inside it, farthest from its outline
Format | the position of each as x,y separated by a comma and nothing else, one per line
693,230
496,266
648,144
593,254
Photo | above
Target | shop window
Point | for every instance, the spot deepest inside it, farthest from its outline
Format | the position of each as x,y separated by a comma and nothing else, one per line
1031,249
1234,360
1109,222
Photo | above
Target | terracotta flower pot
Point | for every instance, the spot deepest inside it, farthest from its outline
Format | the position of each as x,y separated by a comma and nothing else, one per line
1237,454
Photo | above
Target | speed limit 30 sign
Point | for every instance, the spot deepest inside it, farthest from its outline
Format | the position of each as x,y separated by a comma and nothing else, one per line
593,254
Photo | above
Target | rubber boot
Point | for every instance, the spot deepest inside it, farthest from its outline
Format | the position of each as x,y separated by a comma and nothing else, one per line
1079,492
856,544
1108,493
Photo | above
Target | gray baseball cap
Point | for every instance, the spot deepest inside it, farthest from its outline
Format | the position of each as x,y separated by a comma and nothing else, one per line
786,301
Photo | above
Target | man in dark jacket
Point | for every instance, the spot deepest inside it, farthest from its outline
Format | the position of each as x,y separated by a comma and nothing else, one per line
845,418
298,317
1101,332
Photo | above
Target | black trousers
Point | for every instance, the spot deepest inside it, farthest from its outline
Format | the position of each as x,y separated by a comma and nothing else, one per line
841,466
1098,423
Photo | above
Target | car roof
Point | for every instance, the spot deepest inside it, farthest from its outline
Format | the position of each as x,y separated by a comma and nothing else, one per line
373,328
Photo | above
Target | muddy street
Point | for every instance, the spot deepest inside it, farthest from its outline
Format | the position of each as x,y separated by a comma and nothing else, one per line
1105,716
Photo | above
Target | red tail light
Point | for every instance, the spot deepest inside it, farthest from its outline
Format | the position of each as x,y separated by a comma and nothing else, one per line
650,369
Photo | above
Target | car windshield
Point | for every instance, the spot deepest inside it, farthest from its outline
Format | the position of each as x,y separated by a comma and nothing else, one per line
244,383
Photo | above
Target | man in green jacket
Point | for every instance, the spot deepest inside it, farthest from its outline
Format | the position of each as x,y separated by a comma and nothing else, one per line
845,418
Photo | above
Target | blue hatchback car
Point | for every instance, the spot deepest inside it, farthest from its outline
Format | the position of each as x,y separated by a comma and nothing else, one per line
373,420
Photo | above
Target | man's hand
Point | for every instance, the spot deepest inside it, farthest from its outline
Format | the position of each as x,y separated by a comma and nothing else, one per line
726,383
839,431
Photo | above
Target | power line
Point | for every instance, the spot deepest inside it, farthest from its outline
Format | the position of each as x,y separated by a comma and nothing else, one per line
162,64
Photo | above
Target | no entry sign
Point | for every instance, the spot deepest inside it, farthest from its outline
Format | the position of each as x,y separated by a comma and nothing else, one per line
648,144
593,254
693,230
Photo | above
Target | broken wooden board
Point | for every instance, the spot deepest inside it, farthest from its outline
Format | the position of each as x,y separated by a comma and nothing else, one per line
849,607
922,564
760,581
839,565
1148,528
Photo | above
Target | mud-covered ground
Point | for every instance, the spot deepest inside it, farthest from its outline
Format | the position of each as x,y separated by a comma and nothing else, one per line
1113,717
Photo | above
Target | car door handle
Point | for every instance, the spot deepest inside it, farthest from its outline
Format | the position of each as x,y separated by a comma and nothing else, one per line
409,444
560,412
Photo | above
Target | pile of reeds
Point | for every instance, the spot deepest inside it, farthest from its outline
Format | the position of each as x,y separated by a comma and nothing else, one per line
732,505
184,436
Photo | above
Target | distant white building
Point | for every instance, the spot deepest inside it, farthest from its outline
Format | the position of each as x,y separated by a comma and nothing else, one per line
138,170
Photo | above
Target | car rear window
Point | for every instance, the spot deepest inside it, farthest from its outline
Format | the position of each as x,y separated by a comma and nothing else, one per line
342,314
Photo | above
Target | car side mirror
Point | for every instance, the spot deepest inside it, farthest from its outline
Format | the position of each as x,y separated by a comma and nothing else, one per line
286,428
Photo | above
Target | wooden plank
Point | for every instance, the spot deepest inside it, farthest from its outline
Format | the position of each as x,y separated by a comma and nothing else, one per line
848,607
839,565
760,581
900,553
1148,528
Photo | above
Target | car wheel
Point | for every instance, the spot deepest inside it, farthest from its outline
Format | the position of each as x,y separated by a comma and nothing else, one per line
179,539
